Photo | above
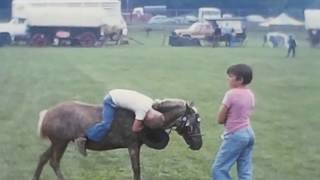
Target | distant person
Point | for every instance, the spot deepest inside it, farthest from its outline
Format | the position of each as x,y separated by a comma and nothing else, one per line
227,39
215,24
217,31
292,47
238,137
233,36
227,31
148,30
216,36
265,40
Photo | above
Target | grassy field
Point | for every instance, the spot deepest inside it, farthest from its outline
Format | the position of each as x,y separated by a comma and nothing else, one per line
286,119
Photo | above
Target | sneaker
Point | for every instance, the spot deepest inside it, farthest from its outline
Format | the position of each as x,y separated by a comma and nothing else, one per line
81,144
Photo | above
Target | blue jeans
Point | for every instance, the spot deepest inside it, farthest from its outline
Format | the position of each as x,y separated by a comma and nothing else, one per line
99,130
236,148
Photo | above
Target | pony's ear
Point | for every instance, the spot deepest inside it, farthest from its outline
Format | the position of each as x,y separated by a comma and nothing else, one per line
156,104
188,107
190,104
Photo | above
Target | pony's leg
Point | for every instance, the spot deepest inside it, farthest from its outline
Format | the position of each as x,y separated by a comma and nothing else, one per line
42,161
134,153
57,153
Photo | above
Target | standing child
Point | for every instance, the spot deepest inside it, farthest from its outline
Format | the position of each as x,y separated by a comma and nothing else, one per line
238,137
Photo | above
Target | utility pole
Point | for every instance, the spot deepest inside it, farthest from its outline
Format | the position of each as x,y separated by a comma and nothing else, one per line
127,6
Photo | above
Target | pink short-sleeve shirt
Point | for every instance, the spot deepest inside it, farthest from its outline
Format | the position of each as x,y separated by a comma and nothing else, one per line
240,103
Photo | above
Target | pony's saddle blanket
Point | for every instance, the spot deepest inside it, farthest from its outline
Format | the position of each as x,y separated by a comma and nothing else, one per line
155,138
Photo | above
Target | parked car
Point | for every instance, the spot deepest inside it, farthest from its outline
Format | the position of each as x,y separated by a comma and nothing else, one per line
229,30
197,30
161,19
187,19
191,18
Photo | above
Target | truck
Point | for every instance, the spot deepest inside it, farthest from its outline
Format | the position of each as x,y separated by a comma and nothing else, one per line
209,13
11,31
75,22
212,31
145,13
312,25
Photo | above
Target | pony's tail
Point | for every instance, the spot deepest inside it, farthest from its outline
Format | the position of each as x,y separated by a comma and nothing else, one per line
41,118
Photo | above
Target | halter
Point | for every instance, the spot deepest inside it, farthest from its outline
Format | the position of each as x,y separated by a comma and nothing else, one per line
182,123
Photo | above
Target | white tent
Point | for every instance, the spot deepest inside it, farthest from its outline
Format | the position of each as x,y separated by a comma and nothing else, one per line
282,20
255,18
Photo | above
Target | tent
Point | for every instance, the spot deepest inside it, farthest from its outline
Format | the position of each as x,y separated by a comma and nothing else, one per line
255,18
282,20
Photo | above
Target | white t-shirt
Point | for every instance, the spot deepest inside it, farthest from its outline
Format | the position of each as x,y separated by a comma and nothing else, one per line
138,103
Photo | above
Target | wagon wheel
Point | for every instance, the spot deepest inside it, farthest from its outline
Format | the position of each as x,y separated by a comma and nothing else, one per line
87,39
5,39
39,40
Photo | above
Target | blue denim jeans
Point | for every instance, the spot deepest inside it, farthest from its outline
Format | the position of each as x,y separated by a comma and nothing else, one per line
236,148
99,130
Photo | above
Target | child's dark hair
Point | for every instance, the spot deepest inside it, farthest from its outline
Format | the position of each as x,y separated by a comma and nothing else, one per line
241,71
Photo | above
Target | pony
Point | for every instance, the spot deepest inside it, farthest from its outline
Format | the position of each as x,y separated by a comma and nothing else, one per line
64,122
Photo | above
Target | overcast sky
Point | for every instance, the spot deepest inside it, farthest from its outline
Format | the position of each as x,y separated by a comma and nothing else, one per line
192,4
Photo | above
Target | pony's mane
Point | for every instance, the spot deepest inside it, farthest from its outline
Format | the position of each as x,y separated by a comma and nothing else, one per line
84,104
168,103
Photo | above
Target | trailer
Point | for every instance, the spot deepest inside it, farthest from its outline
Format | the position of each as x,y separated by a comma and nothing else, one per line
71,22
209,13
312,25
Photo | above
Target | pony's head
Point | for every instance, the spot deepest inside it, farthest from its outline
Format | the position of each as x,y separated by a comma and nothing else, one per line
185,118
188,126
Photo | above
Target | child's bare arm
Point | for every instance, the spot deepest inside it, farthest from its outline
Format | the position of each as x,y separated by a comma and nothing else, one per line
222,114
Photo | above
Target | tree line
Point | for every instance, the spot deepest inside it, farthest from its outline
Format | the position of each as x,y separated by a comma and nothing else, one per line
228,4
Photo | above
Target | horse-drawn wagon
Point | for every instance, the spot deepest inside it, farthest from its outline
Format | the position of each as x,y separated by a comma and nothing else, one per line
83,22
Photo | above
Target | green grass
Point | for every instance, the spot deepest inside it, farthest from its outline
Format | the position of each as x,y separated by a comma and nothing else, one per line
286,119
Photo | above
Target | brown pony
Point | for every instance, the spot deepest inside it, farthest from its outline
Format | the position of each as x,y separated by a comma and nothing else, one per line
68,120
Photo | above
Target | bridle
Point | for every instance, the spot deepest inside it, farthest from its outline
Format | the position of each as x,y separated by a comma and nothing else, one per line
183,125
